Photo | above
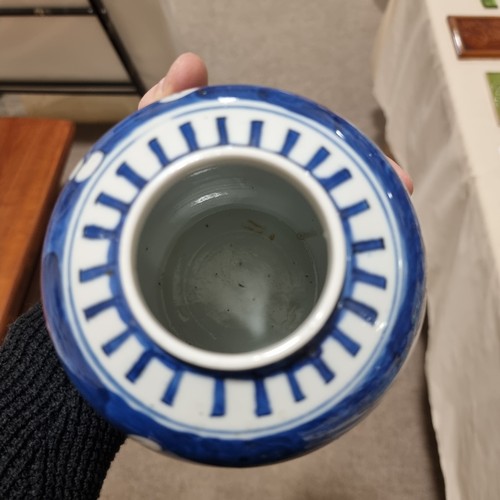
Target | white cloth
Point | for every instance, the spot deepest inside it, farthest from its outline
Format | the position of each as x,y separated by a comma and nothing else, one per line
442,126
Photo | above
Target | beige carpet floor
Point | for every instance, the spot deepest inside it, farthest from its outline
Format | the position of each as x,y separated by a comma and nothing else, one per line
320,49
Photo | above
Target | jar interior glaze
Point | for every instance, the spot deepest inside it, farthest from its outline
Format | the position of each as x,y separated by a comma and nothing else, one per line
231,258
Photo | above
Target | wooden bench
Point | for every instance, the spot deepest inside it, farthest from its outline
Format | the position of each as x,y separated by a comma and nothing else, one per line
32,155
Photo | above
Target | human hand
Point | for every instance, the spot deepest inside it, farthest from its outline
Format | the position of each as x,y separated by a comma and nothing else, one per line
189,71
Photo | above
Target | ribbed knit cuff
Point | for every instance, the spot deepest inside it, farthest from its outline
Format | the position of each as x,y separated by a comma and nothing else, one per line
52,444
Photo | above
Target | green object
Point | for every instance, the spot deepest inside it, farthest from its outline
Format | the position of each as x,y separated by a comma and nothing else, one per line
494,81
490,4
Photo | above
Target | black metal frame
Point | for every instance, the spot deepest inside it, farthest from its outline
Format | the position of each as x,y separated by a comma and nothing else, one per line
95,9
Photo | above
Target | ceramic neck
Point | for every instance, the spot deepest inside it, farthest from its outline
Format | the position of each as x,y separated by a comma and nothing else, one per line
236,259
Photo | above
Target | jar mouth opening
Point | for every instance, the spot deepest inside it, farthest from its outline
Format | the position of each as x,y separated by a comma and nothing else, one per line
207,258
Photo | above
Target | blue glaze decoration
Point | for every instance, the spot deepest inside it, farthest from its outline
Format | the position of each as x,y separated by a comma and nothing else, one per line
116,342
368,245
255,133
98,233
355,209
95,309
326,374
350,345
369,278
364,311
156,148
298,395
222,131
190,136
96,272
136,371
111,202
291,139
172,388
219,406
131,176
337,179
293,439
319,157
262,404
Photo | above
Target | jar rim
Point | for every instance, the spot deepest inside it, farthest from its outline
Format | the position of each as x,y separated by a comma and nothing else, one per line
313,193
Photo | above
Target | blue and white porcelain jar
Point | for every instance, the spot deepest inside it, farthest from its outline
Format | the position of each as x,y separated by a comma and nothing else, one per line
234,275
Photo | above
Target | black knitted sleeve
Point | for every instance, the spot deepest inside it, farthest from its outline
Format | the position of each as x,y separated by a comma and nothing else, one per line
52,444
